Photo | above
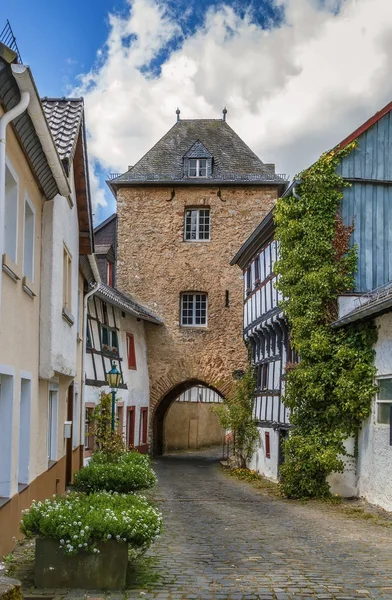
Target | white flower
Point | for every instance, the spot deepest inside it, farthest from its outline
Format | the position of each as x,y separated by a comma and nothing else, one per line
62,542
109,536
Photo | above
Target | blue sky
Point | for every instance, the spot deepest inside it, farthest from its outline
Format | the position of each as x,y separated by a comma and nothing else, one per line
297,76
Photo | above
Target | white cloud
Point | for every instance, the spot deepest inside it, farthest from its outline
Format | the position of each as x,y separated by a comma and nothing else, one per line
291,92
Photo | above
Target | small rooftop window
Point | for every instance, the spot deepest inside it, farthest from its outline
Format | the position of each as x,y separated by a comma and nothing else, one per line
197,167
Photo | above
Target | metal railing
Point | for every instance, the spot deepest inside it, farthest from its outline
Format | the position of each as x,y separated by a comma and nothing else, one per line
8,39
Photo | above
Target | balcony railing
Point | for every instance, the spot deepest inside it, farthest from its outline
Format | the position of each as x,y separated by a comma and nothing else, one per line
8,39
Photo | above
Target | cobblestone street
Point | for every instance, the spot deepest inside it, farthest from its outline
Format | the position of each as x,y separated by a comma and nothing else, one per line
224,539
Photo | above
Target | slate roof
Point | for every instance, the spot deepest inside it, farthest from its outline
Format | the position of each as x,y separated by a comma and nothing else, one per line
64,116
125,302
233,160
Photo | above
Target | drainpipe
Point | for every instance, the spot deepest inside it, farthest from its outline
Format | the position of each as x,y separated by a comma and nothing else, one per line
4,121
97,277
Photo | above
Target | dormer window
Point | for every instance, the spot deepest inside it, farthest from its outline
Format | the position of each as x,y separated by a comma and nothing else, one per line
197,167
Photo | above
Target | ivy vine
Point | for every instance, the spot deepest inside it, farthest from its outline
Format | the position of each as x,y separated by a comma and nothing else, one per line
329,392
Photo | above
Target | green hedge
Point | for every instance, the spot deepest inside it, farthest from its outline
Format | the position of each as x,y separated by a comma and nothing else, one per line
80,521
124,473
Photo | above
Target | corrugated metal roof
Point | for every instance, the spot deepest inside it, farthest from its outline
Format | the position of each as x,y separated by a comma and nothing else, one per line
64,116
233,160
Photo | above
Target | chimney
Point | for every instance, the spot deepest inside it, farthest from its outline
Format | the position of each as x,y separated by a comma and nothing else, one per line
224,113
178,114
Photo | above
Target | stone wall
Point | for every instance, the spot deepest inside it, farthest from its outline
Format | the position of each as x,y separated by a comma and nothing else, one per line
192,425
155,265
10,589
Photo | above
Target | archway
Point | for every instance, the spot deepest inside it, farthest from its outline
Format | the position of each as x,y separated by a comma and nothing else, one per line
164,405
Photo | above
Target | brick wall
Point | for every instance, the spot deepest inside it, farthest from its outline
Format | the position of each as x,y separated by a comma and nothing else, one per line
156,265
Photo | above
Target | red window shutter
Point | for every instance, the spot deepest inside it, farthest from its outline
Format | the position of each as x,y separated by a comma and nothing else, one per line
143,425
131,351
110,274
267,445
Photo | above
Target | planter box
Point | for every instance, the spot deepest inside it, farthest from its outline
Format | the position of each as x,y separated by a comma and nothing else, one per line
55,569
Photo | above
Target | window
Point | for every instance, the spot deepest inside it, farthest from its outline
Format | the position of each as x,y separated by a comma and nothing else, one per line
143,434
28,240
89,428
88,335
105,312
194,310
264,381
197,224
6,421
267,445
24,431
52,423
11,214
384,400
257,270
248,279
109,274
131,354
109,339
67,280
197,167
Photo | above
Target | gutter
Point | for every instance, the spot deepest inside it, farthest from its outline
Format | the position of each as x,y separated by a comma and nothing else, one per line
25,81
16,111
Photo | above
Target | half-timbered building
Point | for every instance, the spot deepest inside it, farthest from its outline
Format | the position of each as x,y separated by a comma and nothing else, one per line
266,333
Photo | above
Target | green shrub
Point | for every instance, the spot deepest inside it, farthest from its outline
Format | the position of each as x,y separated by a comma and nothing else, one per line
123,473
80,521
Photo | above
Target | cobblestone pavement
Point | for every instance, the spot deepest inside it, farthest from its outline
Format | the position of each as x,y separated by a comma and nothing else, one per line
224,540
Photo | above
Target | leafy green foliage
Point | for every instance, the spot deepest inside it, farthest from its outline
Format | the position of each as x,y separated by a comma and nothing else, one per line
329,391
106,440
79,521
120,472
235,414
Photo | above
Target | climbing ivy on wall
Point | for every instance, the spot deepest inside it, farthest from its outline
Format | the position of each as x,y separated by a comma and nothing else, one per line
329,392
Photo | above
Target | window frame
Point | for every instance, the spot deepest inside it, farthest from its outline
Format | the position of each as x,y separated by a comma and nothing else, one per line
89,427
197,209
193,324
7,412
380,401
15,177
52,422
111,331
28,202
24,445
197,167
130,340
67,279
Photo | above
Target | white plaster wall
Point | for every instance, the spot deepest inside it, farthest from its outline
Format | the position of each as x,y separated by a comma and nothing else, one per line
345,484
374,451
268,467
58,346
138,392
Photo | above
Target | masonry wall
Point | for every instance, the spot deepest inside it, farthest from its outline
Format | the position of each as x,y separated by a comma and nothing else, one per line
155,265
192,425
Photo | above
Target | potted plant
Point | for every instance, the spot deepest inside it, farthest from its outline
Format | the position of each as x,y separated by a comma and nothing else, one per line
82,540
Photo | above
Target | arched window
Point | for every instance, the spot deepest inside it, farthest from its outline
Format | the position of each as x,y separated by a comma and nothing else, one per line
194,309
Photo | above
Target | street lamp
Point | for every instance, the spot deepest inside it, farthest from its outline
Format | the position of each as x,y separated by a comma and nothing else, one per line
113,379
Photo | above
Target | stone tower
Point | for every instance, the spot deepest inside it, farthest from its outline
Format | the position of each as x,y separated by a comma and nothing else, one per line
183,211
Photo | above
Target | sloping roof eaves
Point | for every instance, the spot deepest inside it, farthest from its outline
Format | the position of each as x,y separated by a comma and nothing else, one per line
26,133
255,241
233,160
64,116
373,305
126,303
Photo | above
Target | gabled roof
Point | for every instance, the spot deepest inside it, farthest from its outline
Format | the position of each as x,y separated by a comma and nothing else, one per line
365,126
198,150
127,303
105,222
64,116
233,160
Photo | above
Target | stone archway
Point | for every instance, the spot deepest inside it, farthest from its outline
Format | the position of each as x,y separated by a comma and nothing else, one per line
163,406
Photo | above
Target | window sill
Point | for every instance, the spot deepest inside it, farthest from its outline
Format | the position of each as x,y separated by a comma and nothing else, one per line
4,501
11,268
22,487
68,316
51,464
29,287
194,327
196,241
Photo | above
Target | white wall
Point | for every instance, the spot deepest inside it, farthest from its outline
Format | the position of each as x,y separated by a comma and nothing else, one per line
58,338
374,451
266,466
